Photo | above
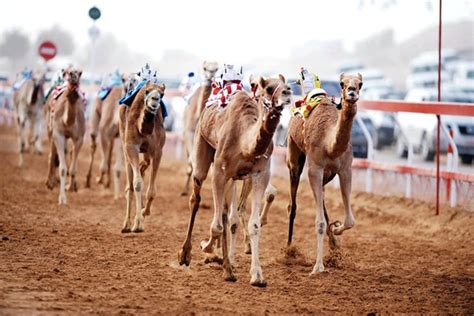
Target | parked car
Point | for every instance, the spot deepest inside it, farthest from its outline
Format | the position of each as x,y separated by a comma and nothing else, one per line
421,129
424,69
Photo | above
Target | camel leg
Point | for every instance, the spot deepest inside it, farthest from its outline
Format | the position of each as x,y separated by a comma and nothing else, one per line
200,170
39,132
127,223
110,148
91,163
103,162
53,156
218,192
270,194
233,222
315,174
151,191
228,274
117,169
21,138
296,161
73,168
259,185
188,144
60,143
242,211
133,160
95,120
345,177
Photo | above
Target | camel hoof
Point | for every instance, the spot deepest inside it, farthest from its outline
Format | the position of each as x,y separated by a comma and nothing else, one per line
258,282
138,229
207,246
317,270
334,228
146,212
126,230
50,184
184,257
229,276
98,180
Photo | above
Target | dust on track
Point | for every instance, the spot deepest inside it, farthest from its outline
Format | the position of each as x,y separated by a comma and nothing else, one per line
73,259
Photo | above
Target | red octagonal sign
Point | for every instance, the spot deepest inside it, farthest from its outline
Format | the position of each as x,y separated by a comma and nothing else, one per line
47,50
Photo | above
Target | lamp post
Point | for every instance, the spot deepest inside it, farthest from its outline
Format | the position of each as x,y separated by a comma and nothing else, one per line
94,14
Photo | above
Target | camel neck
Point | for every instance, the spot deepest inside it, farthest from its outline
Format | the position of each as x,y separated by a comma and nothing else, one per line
268,121
343,129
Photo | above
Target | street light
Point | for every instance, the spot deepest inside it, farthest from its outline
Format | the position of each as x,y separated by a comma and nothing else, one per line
94,14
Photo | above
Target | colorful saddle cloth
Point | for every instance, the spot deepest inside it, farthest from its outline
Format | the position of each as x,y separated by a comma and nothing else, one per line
25,75
304,106
114,80
132,93
221,95
59,89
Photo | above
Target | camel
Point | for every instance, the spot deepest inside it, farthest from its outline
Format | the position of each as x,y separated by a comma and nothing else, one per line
238,142
67,121
142,131
28,102
105,127
192,113
325,138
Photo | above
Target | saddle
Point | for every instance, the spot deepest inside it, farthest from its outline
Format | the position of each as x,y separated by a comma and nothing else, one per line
221,95
132,93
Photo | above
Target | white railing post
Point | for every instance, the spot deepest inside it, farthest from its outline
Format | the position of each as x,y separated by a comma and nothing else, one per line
408,178
452,165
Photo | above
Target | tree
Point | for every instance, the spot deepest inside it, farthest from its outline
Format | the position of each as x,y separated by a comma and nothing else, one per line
15,45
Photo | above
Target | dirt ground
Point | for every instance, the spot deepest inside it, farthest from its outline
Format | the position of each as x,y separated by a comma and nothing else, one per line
73,259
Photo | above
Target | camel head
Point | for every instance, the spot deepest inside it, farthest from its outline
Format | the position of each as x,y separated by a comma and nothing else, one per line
153,96
350,87
209,69
72,76
130,82
276,93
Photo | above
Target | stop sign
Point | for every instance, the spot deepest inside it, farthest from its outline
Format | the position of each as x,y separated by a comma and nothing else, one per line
47,50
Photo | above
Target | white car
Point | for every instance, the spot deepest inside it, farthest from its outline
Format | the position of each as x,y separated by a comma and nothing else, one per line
421,129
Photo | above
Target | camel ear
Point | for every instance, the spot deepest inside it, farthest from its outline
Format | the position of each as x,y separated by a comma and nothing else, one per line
282,78
204,65
162,86
80,73
359,76
63,71
341,76
262,82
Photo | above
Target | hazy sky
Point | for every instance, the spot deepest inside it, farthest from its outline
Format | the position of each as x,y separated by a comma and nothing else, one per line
236,31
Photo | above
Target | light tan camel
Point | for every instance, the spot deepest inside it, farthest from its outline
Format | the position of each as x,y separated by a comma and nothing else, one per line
192,113
325,138
28,102
142,131
105,127
238,141
66,121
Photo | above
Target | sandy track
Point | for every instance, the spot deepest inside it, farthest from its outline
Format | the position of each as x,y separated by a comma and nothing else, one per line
73,259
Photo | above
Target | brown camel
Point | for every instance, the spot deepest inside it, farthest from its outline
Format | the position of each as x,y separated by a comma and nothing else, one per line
105,126
238,141
66,121
142,131
325,138
28,102
192,113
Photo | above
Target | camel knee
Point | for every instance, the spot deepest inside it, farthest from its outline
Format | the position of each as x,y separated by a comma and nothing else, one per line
137,185
321,226
254,228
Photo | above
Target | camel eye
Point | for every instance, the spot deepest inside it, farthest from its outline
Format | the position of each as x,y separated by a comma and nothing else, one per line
360,85
341,84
